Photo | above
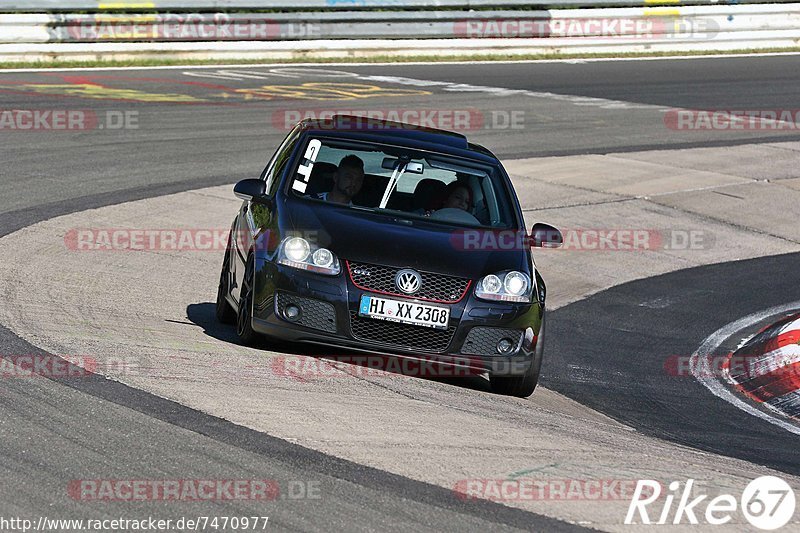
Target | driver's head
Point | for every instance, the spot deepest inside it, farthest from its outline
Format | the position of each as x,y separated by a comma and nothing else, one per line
349,177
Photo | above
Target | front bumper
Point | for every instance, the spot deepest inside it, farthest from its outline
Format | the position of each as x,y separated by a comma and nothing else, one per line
329,317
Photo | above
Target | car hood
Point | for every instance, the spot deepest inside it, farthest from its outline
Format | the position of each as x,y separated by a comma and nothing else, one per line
362,236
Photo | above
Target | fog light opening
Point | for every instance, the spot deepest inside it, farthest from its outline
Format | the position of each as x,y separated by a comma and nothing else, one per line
505,345
292,313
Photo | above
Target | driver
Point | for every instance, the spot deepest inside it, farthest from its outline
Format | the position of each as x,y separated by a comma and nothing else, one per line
347,181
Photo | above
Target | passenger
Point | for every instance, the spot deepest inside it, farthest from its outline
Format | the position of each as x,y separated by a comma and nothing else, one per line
347,181
458,196
455,196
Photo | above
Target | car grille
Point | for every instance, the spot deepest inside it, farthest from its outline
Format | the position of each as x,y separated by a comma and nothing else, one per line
314,313
483,341
435,287
401,335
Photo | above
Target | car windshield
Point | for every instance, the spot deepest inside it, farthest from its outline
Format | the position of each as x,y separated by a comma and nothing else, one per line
404,182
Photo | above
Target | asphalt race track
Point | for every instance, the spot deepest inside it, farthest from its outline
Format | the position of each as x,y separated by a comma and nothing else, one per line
643,337
589,136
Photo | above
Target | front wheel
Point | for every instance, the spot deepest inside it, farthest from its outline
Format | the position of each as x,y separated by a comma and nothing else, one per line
224,311
244,318
524,385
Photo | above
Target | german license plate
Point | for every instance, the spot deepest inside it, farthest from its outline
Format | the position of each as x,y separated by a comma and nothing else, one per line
404,312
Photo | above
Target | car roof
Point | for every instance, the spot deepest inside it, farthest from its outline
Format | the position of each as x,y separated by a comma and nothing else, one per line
409,135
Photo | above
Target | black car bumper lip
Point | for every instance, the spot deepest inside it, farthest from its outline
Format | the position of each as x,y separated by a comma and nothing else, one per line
510,365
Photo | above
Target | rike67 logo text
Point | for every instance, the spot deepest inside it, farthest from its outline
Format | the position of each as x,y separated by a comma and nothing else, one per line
767,503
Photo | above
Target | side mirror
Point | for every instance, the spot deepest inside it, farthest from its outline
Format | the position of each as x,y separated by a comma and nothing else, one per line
250,190
545,236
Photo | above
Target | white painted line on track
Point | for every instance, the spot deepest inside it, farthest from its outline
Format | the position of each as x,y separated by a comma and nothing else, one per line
702,372
502,91
403,63
446,86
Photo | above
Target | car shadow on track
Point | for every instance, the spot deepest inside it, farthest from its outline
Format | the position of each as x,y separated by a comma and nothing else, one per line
203,315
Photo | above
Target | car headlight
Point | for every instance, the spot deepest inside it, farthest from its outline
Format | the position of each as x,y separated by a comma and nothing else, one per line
516,283
296,252
297,249
322,258
510,286
492,284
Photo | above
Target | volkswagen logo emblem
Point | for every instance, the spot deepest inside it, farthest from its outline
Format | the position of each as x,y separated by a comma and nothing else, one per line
408,281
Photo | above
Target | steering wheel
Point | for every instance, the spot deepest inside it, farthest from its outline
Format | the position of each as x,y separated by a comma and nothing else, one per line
452,214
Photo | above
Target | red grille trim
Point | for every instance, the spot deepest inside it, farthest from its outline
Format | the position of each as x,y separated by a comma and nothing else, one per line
463,294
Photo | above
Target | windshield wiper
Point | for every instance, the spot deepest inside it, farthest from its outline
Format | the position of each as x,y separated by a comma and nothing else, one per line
396,175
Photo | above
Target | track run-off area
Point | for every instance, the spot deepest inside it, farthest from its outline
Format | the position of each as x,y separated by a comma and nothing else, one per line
604,150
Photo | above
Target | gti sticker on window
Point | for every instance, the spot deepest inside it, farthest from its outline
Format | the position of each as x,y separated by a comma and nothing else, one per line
304,171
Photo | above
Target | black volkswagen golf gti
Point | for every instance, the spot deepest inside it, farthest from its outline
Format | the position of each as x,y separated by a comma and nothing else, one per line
391,239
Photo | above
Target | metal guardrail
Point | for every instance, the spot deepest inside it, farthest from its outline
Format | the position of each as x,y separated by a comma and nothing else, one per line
685,23
41,6
333,33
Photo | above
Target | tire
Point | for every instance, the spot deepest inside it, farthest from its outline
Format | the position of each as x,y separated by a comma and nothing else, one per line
524,385
224,311
244,316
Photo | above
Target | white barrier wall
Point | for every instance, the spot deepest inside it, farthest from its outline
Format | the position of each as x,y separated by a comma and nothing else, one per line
334,33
